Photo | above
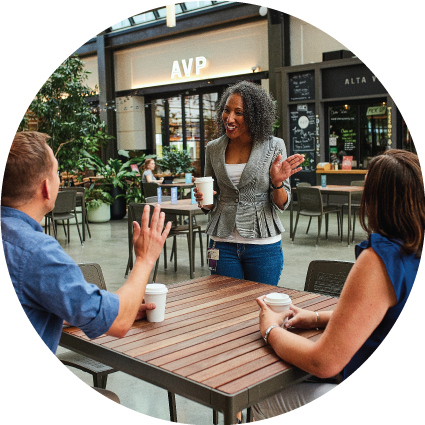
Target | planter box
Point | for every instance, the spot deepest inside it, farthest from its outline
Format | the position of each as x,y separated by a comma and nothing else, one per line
99,215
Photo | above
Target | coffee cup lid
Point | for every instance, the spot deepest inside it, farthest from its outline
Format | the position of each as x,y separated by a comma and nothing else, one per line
204,179
277,298
156,288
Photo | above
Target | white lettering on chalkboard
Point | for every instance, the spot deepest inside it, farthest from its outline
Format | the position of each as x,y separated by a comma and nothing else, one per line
358,80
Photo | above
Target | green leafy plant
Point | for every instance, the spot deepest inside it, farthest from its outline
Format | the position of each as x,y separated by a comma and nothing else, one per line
114,172
96,196
138,160
64,114
175,161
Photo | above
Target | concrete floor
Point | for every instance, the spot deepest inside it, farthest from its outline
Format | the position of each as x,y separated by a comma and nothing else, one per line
108,247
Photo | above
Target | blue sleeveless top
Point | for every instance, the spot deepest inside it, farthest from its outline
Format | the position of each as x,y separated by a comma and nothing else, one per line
402,270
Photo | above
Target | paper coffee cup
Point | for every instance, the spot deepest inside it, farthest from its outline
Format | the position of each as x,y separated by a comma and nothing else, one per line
205,186
156,293
278,302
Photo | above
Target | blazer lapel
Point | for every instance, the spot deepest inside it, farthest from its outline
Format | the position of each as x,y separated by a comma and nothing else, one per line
220,160
256,159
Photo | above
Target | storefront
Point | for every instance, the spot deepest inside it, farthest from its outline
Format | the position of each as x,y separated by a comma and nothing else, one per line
336,109
167,92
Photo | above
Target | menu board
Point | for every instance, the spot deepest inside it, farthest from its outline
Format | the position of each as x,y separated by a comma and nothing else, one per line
301,86
303,133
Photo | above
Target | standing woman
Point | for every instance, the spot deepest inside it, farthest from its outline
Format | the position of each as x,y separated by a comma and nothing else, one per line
251,182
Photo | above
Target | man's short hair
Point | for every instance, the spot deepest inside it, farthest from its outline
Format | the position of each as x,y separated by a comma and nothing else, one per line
28,164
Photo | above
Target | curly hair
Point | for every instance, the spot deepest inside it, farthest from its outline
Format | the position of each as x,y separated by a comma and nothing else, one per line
259,110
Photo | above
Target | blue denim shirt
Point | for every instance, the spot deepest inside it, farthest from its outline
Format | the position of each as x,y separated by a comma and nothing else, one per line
49,284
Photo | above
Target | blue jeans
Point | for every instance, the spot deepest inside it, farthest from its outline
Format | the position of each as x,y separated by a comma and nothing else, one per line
258,263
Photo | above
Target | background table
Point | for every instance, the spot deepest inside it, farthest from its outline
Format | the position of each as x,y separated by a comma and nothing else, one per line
184,207
180,186
331,190
209,347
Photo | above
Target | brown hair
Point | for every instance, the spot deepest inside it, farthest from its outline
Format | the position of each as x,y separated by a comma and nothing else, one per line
147,162
393,199
28,163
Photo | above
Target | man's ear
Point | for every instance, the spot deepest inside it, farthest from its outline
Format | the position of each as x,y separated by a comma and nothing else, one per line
45,189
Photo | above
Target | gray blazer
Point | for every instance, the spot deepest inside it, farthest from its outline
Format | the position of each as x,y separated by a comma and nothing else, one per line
249,206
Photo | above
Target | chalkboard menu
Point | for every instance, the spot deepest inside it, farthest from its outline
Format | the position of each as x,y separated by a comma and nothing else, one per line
303,133
301,86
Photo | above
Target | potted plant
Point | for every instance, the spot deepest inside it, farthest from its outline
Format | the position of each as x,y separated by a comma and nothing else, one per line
115,175
98,204
175,161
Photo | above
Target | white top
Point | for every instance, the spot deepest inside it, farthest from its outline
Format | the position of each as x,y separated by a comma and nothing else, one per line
234,172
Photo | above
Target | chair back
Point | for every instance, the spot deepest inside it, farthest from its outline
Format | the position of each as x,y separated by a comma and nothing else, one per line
327,277
303,184
149,189
93,274
77,189
356,197
65,202
309,199
168,216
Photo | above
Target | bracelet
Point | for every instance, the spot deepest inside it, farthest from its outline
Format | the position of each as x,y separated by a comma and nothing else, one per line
274,187
266,335
317,318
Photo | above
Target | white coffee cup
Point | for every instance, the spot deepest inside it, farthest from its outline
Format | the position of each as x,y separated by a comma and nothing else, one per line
156,293
278,302
205,186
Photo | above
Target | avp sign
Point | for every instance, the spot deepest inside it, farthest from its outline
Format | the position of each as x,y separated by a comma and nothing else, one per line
200,62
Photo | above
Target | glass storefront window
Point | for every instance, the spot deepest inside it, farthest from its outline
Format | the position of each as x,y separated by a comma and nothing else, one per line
192,123
357,130
209,107
175,123
158,111
407,141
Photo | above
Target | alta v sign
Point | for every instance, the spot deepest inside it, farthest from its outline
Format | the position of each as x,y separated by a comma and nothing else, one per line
200,62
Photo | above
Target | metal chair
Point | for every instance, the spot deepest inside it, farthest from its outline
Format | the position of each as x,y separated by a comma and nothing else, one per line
327,277
92,274
310,204
356,198
65,209
79,203
135,212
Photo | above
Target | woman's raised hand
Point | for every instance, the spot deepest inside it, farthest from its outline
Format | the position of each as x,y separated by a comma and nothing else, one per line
280,171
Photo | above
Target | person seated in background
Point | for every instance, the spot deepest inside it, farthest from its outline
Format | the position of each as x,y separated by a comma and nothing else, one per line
148,168
393,214
49,284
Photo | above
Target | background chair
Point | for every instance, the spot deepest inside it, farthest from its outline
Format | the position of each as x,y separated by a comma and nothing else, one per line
310,204
65,208
149,189
135,212
355,204
92,274
79,203
327,277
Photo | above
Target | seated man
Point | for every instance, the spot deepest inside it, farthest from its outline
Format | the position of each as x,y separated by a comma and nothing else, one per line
49,284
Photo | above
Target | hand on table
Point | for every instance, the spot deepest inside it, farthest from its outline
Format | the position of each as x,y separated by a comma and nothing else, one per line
141,314
280,171
299,318
268,317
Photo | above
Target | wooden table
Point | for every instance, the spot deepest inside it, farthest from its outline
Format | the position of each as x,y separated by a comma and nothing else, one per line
331,190
184,207
209,347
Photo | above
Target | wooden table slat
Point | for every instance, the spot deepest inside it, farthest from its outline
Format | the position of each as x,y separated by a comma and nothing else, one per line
223,335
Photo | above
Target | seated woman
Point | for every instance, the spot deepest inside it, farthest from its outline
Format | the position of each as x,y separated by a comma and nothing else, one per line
148,168
393,213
